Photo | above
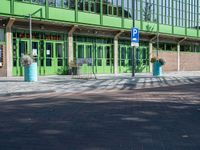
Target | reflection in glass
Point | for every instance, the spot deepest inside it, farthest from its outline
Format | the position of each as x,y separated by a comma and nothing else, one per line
59,54
49,54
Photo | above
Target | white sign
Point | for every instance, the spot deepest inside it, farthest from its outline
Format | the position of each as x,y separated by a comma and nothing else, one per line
34,52
48,52
135,44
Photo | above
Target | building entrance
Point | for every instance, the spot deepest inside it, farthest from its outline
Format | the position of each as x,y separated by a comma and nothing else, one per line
141,59
49,56
104,59
93,58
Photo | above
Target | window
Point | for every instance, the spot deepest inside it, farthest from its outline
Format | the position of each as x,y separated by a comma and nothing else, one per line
2,36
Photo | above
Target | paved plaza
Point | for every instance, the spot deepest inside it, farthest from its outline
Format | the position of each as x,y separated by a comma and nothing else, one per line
111,113
83,84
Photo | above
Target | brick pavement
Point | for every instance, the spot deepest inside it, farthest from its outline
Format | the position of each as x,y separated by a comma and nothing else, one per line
157,118
65,84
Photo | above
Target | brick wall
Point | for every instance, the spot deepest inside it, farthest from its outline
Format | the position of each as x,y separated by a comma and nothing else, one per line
189,61
3,71
171,60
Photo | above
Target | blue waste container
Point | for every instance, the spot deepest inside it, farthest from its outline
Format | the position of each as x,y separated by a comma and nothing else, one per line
30,73
157,69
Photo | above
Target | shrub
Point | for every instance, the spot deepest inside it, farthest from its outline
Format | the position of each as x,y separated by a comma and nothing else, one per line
162,61
153,59
26,60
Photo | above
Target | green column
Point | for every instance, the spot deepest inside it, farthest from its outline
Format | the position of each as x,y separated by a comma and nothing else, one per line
46,9
173,16
141,15
186,17
76,10
197,18
122,13
12,6
158,15
101,12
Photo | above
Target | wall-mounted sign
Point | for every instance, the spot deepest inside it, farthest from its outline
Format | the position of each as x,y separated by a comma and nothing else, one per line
34,52
48,52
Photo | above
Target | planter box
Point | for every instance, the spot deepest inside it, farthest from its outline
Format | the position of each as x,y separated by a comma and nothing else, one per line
30,73
157,69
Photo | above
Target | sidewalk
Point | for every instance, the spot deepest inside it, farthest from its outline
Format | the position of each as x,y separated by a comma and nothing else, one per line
103,83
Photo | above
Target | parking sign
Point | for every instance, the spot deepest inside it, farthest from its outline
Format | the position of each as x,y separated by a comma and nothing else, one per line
135,37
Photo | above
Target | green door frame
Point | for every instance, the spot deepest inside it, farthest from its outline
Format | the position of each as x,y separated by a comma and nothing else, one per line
141,59
104,59
83,56
49,57
60,57
18,70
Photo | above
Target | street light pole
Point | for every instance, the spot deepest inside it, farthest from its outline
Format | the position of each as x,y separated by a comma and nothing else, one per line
133,55
30,28
30,34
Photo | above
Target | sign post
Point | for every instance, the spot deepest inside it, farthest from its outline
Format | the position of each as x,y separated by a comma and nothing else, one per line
134,43
135,37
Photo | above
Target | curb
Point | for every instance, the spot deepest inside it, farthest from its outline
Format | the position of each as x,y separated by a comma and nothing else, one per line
27,93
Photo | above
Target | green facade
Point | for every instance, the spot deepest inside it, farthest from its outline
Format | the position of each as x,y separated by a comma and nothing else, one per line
173,18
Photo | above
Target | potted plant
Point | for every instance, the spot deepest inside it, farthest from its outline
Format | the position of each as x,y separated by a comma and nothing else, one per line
30,68
157,65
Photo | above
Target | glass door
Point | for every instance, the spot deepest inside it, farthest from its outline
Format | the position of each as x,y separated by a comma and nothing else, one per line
60,62
84,57
129,59
49,58
20,48
108,62
41,58
36,54
104,60
142,59
122,55
99,59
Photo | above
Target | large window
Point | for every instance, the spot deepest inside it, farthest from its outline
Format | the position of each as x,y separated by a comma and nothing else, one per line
2,36
89,5
170,12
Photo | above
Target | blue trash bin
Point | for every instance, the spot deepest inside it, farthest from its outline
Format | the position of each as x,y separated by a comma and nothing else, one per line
30,73
157,69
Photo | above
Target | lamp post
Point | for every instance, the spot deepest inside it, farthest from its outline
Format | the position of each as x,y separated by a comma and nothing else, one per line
30,33
133,53
30,27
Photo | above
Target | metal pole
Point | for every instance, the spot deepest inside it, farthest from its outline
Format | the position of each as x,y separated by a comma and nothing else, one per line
157,28
133,55
157,44
30,32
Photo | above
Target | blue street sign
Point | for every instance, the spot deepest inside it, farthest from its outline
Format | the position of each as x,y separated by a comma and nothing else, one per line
135,37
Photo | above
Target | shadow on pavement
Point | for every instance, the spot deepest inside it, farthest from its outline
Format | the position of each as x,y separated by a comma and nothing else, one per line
136,120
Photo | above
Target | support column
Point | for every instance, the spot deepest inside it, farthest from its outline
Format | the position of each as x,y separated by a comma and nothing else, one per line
151,55
178,57
71,44
9,60
179,53
116,59
116,56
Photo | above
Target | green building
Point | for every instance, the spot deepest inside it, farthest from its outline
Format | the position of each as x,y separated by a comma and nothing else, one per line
95,34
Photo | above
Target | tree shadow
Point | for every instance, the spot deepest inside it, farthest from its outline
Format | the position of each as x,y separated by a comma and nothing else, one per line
151,119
